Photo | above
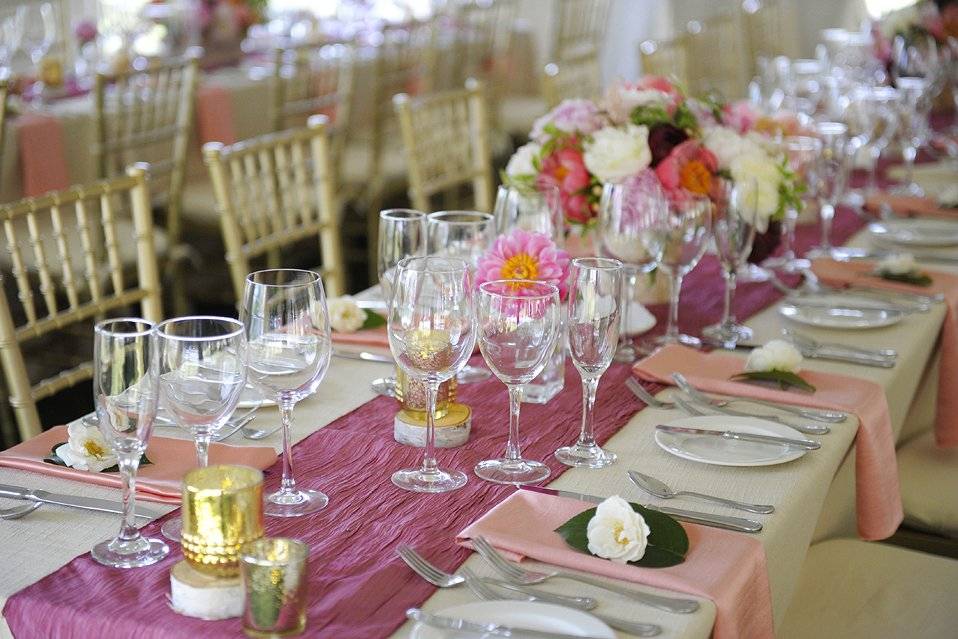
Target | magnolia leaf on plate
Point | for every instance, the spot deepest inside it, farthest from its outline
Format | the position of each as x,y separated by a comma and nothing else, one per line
783,379
373,320
667,542
916,278
54,459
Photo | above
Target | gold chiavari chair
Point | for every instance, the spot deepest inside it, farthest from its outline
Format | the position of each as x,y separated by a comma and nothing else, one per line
4,89
573,78
667,58
720,41
274,191
771,28
66,265
483,32
446,138
580,27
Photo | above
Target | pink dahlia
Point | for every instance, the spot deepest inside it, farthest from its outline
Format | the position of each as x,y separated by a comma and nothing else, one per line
689,168
521,255
575,117
740,116
566,169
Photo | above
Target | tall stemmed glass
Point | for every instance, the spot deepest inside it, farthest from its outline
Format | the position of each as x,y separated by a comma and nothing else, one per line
733,231
287,355
832,176
802,153
124,389
594,284
538,210
462,234
628,211
202,372
682,240
913,128
518,325
872,118
431,335
402,233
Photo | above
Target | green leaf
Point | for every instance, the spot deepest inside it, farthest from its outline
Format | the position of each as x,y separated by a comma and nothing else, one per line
685,119
667,543
54,459
784,379
916,278
649,115
373,320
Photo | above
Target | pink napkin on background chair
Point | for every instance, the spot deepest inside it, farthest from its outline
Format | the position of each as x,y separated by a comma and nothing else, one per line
214,114
910,205
159,481
877,492
726,567
43,160
946,420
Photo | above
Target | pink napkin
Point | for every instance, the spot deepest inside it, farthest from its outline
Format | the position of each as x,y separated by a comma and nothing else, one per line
373,337
878,497
43,160
214,114
840,273
910,205
727,567
159,481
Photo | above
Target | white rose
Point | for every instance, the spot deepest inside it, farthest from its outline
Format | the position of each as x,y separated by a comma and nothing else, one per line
757,180
345,316
727,145
617,532
897,264
616,153
521,161
777,355
86,449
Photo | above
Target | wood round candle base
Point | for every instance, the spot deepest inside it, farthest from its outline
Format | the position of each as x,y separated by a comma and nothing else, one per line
451,431
195,594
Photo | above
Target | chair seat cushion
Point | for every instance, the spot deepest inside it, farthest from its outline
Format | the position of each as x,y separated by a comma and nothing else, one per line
856,589
929,486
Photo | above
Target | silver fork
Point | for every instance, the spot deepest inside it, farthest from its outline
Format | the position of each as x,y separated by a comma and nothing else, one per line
651,400
523,577
19,511
442,579
639,629
698,410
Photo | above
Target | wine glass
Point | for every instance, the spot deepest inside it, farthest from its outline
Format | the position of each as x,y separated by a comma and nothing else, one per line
733,231
402,232
124,389
202,371
682,240
913,128
871,117
594,283
431,336
832,171
627,213
538,210
518,325
802,154
462,234
287,354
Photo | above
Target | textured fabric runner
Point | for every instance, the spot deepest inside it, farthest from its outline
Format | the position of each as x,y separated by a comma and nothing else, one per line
43,160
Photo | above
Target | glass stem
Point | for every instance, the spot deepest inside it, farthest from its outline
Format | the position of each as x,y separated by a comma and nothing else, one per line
128,463
827,214
728,319
909,153
429,466
288,484
587,436
627,290
873,170
676,289
202,441
513,453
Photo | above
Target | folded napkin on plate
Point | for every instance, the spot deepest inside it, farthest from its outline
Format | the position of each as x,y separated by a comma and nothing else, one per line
946,420
909,205
43,160
728,568
159,481
878,497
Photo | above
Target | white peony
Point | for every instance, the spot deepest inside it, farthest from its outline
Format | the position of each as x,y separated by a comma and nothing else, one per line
727,145
345,316
757,180
776,355
86,449
617,153
617,532
521,161
897,264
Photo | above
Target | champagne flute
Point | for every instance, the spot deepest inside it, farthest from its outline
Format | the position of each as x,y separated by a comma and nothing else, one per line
124,389
832,175
518,325
202,371
537,210
402,232
287,356
431,336
593,331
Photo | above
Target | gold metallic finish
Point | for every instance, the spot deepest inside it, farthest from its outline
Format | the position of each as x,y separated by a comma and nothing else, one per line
275,580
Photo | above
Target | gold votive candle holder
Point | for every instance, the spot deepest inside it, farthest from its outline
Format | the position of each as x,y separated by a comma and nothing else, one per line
275,582
222,511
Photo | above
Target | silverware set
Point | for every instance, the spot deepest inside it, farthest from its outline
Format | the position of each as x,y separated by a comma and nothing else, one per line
37,497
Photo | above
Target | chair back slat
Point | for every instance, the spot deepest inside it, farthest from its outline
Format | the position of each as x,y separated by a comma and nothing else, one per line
668,58
720,41
572,78
771,28
580,28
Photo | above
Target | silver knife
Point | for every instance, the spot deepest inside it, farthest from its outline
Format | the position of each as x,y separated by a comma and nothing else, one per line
737,524
806,444
86,503
486,629
365,356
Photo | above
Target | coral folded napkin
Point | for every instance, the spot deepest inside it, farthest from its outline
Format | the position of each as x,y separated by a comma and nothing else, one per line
910,205
878,497
946,421
373,337
726,567
159,481
214,114
43,160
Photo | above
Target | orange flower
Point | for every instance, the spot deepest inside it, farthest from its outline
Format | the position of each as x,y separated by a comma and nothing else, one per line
696,178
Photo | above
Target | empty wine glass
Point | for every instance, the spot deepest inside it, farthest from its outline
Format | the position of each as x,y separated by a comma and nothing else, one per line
202,371
431,335
287,356
628,211
594,284
832,172
517,326
402,233
802,153
872,117
462,234
537,210
733,231
124,389
913,128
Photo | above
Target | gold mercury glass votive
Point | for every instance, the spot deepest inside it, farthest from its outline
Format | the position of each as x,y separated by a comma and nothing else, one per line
274,579
222,511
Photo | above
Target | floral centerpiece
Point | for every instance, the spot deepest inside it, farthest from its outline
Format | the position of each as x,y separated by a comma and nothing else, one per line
522,255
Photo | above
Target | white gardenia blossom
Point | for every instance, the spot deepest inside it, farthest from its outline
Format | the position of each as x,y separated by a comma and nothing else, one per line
897,264
617,532
616,153
776,355
86,449
521,161
757,181
345,316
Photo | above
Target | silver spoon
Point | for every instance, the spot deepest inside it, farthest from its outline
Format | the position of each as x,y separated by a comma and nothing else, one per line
19,511
661,490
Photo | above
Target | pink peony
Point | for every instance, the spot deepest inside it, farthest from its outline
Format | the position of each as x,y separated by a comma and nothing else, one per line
660,83
575,117
521,255
565,168
740,116
689,168
85,31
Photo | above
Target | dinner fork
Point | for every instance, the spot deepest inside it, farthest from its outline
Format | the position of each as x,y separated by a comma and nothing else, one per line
639,629
523,577
19,511
650,400
441,579
698,410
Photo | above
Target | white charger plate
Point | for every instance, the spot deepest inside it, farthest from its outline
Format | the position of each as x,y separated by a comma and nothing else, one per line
841,317
519,614
709,449
916,232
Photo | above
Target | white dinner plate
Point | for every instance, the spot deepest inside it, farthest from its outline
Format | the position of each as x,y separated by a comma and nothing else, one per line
640,319
916,232
520,614
709,449
251,397
840,311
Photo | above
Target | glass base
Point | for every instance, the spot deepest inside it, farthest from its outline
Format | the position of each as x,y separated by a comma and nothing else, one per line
135,553
626,354
294,504
585,456
787,264
681,338
470,374
911,189
440,481
752,273
506,471
726,335
172,529
819,251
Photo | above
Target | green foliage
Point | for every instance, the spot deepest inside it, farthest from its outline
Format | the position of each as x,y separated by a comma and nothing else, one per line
916,278
783,379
